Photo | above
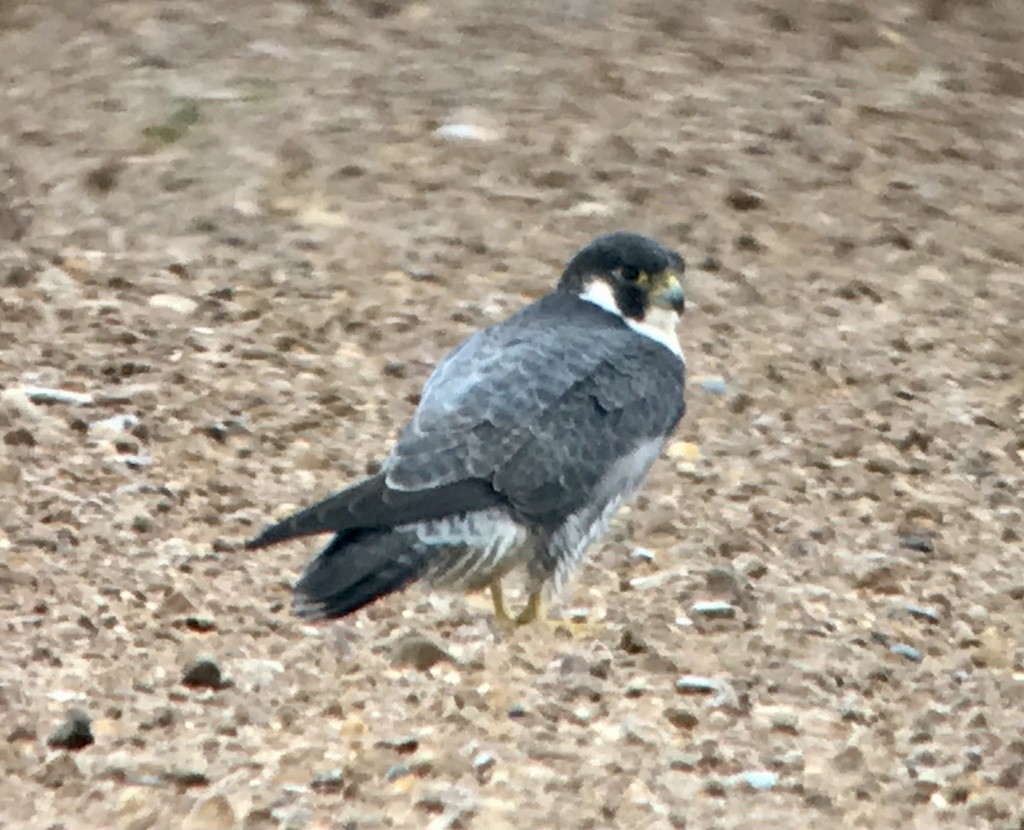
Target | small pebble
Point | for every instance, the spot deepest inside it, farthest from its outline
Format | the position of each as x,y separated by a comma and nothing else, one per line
204,673
19,437
722,581
253,673
220,431
161,720
42,394
713,610
692,684
419,652
134,460
714,386
483,763
713,785
582,714
758,780
920,542
212,813
744,199
465,132
639,732
681,718
58,770
976,612
640,583
114,426
404,744
200,624
20,733
785,721
923,613
749,565
483,760
569,664
332,781
763,423
725,697
396,771
748,242
173,302
877,572
903,650
685,763
185,778
632,643
683,451
642,555
74,733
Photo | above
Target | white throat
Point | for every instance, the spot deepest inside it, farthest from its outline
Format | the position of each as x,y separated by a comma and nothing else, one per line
659,324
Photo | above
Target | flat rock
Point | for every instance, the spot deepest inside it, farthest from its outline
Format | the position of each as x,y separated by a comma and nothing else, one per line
211,813
757,780
57,771
713,610
45,394
173,302
419,652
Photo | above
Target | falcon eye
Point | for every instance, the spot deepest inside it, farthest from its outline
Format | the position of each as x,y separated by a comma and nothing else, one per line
629,273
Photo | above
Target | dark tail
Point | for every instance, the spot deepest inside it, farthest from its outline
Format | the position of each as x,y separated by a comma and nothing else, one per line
371,505
371,555
357,568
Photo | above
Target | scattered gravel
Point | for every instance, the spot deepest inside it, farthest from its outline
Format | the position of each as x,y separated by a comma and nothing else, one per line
235,246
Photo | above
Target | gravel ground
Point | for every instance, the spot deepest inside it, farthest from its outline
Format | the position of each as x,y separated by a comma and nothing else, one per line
240,234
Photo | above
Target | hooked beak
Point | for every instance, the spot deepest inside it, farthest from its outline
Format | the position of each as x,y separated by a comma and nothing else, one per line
670,294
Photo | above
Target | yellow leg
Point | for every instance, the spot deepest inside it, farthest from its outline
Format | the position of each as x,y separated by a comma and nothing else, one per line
501,615
534,610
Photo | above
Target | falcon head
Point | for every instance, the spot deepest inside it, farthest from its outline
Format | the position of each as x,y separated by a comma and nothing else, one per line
630,275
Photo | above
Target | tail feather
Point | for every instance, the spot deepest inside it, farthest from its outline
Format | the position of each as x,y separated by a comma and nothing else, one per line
371,504
355,569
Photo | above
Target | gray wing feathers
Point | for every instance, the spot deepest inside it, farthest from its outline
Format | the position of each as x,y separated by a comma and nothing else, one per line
480,406
539,411
610,415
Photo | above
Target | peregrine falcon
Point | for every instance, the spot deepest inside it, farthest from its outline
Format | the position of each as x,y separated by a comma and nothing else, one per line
527,439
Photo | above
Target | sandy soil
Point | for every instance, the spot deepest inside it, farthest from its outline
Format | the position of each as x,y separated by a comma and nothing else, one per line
235,229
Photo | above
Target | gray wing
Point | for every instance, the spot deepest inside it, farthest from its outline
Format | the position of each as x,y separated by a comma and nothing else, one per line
479,404
610,425
540,406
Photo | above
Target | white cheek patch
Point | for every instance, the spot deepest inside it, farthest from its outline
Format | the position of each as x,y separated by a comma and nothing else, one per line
659,324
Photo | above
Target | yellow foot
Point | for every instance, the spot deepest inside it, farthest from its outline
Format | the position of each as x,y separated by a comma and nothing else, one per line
535,613
576,627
